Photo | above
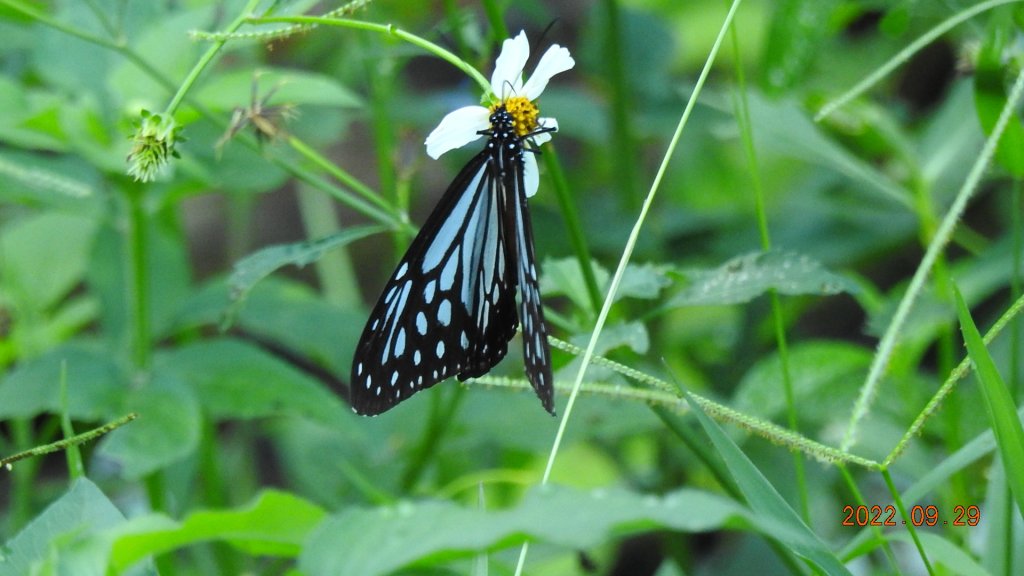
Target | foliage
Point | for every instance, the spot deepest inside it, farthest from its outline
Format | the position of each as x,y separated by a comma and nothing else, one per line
757,273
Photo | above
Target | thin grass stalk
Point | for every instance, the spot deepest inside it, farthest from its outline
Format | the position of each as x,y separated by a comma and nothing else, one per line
907,520
904,55
624,260
778,319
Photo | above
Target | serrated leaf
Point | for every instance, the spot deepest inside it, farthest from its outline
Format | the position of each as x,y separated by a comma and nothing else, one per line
274,524
369,542
258,265
999,404
746,277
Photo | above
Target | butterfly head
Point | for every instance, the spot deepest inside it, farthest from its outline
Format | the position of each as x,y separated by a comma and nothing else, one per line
516,113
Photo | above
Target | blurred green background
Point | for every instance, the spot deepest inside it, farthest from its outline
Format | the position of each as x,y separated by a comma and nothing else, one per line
120,296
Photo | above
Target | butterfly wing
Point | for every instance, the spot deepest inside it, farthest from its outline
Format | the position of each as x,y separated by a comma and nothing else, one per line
449,307
536,352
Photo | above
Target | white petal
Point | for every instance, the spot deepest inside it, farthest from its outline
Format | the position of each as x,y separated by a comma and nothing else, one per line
508,68
555,60
457,129
544,136
531,176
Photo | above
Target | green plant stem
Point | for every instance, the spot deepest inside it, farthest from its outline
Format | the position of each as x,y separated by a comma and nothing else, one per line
74,456
495,19
1014,384
441,413
573,227
907,520
335,270
955,376
387,29
876,531
66,442
624,260
138,276
379,210
207,58
623,153
886,346
905,54
778,318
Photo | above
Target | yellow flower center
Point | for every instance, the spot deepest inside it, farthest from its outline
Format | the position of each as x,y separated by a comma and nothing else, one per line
524,113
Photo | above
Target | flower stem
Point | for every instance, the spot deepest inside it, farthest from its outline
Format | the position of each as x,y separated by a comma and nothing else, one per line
387,29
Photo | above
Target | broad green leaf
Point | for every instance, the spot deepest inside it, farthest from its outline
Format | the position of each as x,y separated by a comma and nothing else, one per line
52,541
95,385
369,542
254,267
167,430
290,87
274,524
45,257
825,376
746,277
233,379
771,508
795,41
284,311
999,404
563,277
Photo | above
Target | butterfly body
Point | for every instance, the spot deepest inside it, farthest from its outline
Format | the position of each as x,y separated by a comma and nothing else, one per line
449,309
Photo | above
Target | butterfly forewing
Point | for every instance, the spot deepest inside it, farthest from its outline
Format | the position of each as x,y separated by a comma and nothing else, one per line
449,307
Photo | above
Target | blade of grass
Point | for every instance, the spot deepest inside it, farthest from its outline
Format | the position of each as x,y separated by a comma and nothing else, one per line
765,500
999,404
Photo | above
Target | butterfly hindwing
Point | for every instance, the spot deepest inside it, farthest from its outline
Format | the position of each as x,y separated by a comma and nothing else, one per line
536,352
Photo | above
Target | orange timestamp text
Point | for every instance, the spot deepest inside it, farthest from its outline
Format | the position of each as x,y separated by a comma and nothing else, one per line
928,515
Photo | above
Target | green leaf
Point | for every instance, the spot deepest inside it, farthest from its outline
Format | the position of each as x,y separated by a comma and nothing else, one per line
795,41
999,404
990,93
233,379
258,265
825,376
45,257
234,89
746,277
274,524
54,538
380,541
167,430
766,502
95,385
944,553
562,276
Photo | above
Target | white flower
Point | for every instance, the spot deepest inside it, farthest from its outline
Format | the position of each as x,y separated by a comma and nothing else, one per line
462,126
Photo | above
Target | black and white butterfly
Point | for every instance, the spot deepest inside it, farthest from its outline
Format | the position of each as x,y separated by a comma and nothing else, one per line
449,308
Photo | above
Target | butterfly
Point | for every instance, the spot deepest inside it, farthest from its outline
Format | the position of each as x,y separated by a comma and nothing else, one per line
449,308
